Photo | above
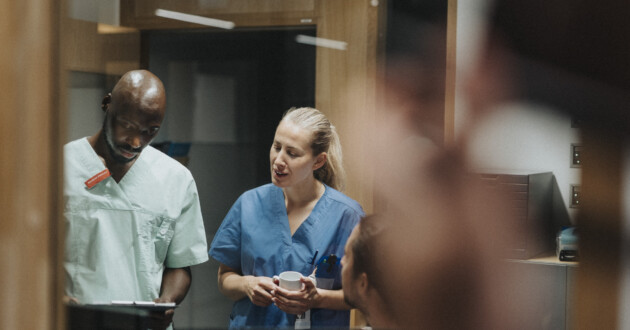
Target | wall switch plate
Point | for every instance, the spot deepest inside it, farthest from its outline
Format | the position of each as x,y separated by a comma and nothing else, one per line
575,196
576,155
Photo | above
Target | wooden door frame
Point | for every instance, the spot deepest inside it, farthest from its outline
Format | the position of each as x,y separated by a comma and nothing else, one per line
31,125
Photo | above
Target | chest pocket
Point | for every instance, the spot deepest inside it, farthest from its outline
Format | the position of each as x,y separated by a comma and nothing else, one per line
156,236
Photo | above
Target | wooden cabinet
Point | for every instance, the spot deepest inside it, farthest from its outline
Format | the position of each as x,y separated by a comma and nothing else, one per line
244,13
98,48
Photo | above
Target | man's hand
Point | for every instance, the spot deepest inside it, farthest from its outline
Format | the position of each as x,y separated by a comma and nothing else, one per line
161,320
70,300
175,285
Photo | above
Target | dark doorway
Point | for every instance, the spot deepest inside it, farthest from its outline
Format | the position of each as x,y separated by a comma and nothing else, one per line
226,92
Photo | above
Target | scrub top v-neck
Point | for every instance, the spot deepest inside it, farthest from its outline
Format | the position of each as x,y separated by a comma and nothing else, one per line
256,239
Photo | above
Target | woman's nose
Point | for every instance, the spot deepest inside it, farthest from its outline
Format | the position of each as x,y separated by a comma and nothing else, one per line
279,160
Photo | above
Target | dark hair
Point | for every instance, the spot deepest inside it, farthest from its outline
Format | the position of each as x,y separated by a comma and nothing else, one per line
367,250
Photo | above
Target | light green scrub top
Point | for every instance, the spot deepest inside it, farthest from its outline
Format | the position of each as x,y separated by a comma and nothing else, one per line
120,236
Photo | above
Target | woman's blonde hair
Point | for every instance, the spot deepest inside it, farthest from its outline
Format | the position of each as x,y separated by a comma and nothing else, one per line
324,139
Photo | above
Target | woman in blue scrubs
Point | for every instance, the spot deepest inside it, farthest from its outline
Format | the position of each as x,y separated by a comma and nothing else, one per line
298,222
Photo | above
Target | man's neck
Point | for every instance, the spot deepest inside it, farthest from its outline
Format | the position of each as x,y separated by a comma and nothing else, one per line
117,169
381,321
379,318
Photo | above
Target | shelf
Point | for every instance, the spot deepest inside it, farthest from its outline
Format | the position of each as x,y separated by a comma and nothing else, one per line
547,258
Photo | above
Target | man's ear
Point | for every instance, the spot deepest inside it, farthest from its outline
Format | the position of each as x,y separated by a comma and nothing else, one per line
363,284
320,161
106,101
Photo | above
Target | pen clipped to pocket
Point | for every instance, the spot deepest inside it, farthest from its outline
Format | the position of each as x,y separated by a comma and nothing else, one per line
326,271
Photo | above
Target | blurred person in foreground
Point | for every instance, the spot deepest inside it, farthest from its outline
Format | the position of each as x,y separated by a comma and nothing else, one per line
133,219
455,234
436,253
288,225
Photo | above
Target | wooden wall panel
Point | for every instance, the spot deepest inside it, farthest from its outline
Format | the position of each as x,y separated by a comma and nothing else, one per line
29,161
101,49
146,8
345,86
451,59
597,293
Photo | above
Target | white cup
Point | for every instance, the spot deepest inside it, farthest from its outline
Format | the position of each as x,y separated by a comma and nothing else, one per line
290,280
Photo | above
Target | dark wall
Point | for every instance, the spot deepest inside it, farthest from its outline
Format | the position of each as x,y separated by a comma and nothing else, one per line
280,74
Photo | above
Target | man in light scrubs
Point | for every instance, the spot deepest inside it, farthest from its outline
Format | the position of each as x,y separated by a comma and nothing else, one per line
133,220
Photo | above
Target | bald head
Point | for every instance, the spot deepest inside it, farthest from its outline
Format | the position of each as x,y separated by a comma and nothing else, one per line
142,90
134,113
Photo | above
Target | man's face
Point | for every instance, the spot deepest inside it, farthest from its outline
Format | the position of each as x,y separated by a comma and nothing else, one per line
129,129
349,280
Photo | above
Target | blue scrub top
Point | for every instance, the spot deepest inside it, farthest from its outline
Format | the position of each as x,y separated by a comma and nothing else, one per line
255,237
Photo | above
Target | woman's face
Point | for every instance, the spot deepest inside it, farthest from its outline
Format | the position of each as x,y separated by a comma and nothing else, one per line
291,156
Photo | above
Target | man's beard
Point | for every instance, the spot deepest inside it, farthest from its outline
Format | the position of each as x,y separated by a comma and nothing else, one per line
111,146
348,300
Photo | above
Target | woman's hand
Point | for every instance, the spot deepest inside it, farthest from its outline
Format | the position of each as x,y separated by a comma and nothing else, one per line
259,290
236,286
296,302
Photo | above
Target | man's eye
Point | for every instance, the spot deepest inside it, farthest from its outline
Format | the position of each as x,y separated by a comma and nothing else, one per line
124,124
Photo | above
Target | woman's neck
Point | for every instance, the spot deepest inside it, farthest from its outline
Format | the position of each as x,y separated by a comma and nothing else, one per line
303,194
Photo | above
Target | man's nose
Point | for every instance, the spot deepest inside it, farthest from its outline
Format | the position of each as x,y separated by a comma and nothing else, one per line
134,141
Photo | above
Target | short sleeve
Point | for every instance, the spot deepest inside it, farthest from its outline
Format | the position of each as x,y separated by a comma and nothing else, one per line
188,246
226,245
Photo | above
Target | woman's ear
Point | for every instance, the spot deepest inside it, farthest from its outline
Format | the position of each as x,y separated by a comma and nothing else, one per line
320,161
106,101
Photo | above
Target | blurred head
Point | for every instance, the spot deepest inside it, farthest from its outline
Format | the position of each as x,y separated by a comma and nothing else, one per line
306,145
134,112
362,279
